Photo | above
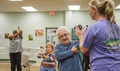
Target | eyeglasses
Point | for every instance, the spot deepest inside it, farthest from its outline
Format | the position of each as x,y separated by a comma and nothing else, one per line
64,35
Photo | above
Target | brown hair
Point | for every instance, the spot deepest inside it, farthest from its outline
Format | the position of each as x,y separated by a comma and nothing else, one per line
105,8
50,45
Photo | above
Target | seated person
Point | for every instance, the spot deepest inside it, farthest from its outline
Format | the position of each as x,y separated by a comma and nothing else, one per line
48,63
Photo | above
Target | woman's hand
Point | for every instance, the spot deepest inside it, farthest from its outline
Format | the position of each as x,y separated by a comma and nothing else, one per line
75,50
79,33
44,56
40,52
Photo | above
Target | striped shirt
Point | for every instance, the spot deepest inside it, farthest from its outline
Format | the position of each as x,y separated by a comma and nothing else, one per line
50,62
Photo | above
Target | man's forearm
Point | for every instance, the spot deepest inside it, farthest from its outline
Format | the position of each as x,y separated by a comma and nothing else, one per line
20,33
12,36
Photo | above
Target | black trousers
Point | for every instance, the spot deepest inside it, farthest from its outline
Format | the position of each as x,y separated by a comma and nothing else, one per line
85,63
15,60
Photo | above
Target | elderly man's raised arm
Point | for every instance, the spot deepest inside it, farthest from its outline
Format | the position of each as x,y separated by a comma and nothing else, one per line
12,36
20,33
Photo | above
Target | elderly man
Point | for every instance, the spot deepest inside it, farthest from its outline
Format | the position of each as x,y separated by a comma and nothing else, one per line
67,52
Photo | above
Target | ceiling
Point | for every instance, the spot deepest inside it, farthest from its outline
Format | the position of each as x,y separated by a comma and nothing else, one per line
44,5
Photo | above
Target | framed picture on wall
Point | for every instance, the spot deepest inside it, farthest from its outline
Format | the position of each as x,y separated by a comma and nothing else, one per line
51,36
39,33
30,37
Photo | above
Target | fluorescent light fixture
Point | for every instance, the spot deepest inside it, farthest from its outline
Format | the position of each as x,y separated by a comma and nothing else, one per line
74,7
29,8
15,0
118,7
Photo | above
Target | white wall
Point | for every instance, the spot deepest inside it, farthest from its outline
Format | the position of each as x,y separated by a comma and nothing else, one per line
73,18
117,16
29,21
77,17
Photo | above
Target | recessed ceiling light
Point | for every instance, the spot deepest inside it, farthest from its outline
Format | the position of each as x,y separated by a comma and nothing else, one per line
74,7
118,7
15,0
29,8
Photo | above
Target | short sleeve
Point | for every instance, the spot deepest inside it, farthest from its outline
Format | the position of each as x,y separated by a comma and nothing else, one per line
88,39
